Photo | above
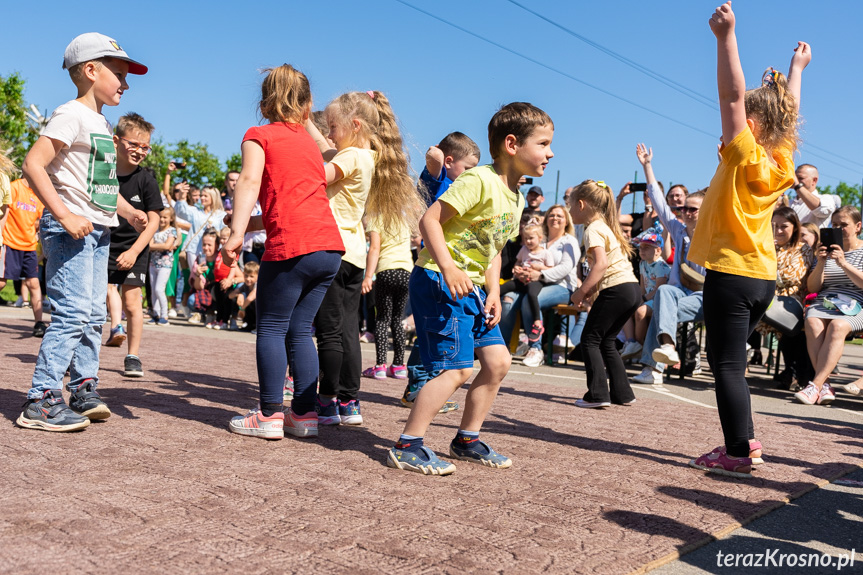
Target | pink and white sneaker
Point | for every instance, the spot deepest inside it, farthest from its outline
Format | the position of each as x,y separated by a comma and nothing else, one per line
397,371
376,372
719,462
808,395
254,424
826,395
305,425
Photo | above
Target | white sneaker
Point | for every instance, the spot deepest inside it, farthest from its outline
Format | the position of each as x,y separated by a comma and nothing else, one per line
172,313
648,376
630,350
562,342
534,357
666,354
195,319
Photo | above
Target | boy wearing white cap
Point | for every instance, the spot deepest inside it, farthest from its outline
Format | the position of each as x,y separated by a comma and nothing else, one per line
72,168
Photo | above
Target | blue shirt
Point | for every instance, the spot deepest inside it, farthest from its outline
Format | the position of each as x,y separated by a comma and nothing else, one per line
434,186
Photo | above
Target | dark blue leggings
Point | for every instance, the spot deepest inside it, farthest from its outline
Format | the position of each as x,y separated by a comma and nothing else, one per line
289,295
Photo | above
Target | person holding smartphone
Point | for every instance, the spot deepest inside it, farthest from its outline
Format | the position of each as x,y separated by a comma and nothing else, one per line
838,280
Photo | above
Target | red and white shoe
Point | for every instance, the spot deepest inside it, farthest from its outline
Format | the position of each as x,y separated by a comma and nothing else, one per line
254,424
808,395
305,425
826,395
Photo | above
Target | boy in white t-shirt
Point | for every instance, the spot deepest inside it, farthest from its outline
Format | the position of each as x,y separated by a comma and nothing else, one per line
72,168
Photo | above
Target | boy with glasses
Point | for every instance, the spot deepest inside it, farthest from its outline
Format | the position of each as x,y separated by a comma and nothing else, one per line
130,252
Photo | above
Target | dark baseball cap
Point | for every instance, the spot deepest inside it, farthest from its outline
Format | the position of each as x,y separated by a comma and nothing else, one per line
536,190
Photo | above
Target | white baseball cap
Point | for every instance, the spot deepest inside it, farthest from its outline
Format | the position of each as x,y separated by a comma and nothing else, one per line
92,46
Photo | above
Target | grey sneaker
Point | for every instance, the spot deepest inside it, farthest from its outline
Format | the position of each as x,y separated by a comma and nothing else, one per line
50,413
133,367
87,402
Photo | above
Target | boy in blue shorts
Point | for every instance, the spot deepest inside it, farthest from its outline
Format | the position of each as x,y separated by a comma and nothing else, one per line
444,163
464,231
72,168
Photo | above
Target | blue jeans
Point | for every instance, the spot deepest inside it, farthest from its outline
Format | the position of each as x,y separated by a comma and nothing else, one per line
549,296
672,305
76,277
290,293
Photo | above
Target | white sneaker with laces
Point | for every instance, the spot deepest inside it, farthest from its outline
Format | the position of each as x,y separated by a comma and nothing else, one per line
648,376
172,313
534,357
630,350
666,354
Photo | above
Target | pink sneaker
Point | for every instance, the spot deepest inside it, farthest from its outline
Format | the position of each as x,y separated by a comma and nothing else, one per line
719,462
301,425
536,332
255,424
826,396
397,371
376,372
808,395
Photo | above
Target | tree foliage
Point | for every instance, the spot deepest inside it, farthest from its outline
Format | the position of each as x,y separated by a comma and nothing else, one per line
202,167
235,162
850,194
17,132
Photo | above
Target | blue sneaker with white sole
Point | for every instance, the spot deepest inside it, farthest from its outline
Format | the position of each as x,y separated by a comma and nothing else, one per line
480,453
425,462
328,414
349,413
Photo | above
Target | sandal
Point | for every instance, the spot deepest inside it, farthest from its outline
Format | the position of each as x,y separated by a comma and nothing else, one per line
719,462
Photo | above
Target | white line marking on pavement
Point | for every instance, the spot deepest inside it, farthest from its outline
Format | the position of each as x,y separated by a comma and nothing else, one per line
669,394
849,411
521,372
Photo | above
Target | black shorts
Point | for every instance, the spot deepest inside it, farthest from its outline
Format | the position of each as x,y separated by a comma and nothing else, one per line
17,264
137,276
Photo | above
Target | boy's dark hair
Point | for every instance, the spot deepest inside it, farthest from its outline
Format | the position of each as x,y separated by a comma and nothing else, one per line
519,119
133,121
459,146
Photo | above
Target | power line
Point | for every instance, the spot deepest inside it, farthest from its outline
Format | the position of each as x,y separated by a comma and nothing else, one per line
676,86
711,135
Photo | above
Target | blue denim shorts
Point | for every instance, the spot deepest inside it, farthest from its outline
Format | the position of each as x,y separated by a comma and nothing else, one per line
448,330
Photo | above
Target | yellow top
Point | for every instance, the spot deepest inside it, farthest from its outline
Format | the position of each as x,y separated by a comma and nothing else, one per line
395,251
5,196
348,200
619,270
734,234
488,216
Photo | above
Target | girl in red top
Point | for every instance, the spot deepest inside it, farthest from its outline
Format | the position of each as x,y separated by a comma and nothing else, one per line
282,169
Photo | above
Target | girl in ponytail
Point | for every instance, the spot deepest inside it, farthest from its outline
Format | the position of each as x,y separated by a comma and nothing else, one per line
734,239
619,294
367,173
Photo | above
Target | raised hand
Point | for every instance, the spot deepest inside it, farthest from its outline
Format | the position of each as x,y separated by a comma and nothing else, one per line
802,56
644,154
722,21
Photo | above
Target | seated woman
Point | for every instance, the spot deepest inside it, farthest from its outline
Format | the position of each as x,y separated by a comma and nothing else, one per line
794,258
560,280
838,280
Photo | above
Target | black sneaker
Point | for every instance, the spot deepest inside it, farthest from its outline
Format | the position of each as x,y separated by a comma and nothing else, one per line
39,329
133,367
51,414
88,403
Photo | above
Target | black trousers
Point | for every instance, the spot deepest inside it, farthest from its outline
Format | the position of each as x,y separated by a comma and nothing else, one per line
613,306
733,306
338,335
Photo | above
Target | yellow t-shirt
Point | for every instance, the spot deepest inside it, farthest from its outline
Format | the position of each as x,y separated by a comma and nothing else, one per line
619,270
5,197
395,248
348,200
734,234
488,216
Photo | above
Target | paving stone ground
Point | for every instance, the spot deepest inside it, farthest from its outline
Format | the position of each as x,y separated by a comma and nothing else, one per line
162,485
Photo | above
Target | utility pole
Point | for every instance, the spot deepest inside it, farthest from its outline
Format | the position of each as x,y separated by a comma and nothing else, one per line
557,187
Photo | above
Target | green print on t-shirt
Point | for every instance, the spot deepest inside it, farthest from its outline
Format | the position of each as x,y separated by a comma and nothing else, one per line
102,184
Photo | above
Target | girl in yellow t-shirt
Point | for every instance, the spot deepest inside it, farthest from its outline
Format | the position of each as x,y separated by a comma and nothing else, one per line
367,172
608,252
734,240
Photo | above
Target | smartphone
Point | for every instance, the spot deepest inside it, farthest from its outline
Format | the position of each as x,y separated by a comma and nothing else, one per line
528,181
180,164
830,237
638,187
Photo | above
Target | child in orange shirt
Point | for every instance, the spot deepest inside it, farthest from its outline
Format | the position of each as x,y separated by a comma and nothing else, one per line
734,240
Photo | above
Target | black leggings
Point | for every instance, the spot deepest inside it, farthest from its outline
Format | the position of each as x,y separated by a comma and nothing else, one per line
613,306
733,306
391,287
338,335
532,290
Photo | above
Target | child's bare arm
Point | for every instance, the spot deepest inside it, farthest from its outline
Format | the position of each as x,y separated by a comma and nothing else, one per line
42,153
430,225
371,261
802,57
434,161
659,282
245,196
597,270
729,74
327,151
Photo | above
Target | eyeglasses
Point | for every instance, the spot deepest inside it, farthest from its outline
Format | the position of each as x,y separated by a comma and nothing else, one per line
135,145
688,210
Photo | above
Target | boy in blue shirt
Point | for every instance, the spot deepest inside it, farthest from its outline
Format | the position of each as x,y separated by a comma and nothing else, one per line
464,231
72,168
444,163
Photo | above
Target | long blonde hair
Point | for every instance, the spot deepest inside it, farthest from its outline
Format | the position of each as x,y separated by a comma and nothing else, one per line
215,197
7,166
775,110
393,199
598,196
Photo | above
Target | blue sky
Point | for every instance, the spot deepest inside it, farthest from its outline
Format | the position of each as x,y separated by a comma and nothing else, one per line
204,82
